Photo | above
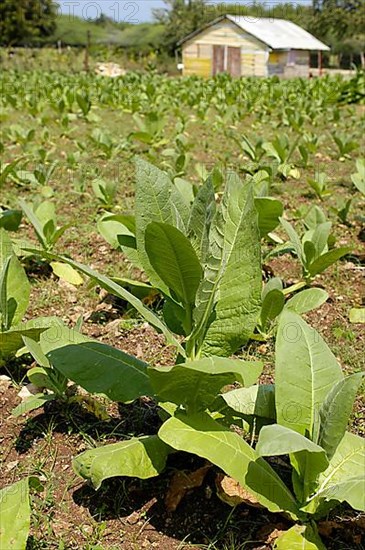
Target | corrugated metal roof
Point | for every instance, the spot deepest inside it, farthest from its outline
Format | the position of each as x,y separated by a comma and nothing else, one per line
279,34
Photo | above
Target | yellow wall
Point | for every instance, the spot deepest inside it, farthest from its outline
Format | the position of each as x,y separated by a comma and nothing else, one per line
278,58
200,67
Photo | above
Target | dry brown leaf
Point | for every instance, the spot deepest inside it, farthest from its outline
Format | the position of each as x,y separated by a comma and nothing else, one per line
180,484
232,493
270,532
275,534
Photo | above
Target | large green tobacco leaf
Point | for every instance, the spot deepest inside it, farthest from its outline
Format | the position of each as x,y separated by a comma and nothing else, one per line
307,458
33,402
299,537
14,516
272,305
12,340
201,215
306,300
294,239
35,221
319,237
305,372
174,260
17,284
269,211
201,435
258,400
196,384
118,290
228,299
157,200
277,440
141,457
327,259
344,479
335,412
99,368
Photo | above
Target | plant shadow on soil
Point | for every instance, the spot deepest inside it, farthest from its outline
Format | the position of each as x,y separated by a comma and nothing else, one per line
74,419
201,518
37,269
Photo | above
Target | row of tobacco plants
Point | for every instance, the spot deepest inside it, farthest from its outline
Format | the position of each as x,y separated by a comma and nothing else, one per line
202,253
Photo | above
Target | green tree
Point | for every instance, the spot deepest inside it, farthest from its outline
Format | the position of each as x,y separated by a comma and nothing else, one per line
180,18
24,21
340,24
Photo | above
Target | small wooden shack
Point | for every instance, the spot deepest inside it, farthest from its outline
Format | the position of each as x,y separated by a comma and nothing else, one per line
247,46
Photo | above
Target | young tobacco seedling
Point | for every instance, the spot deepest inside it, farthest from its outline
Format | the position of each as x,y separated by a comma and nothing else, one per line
105,191
254,150
319,184
344,144
14,300
342,211
312,249
43,376
273,304
282,149
52,384
44,221
150,129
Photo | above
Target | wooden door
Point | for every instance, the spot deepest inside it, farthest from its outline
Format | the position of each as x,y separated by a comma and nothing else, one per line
218,59
234,61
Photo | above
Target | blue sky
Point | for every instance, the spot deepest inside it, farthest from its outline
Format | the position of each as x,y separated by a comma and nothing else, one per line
132,11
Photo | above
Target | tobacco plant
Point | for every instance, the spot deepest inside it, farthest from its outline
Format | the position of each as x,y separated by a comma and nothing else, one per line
304,415
203,258
313,249
281,149
344,144
51,383
14,300
273,304
44,221
105,191
319,184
